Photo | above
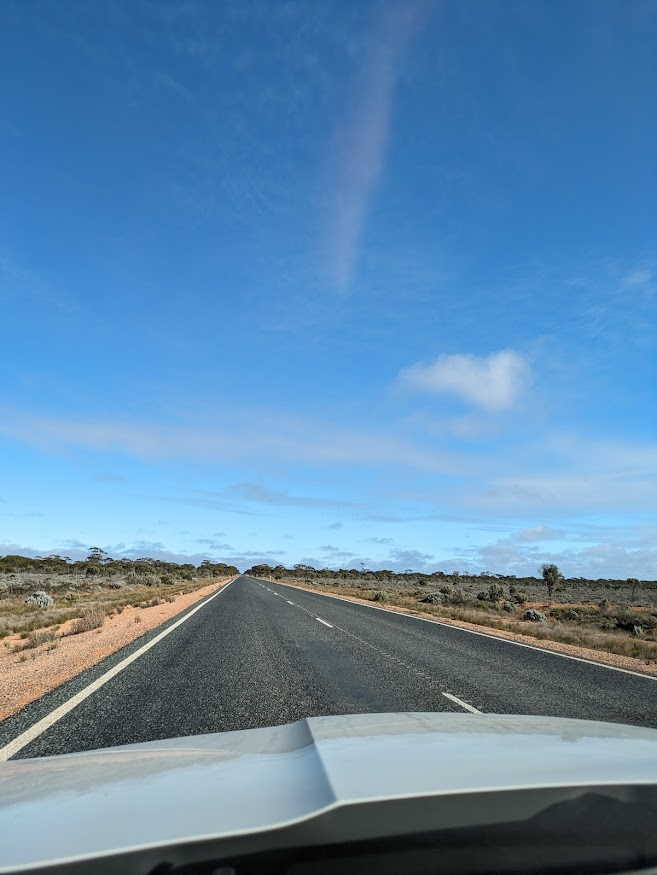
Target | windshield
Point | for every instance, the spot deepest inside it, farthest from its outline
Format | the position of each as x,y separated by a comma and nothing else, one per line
328,364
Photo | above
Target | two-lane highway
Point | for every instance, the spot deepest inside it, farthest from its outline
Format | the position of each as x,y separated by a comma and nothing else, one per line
262,653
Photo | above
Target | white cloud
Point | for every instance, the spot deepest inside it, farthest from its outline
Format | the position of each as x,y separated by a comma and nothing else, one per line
538,533
493,382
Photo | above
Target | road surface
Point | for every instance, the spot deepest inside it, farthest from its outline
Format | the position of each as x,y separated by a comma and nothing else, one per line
261,653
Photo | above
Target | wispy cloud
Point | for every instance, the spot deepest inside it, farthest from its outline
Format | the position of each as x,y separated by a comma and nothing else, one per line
214,545
641,277
363,134
493,382
262,494
336,554
209,502
233,497
471,426
286,439
538,533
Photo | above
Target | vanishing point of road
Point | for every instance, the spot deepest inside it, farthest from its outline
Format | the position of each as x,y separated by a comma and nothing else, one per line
260,653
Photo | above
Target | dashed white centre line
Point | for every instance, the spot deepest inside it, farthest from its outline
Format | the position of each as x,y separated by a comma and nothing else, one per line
455,699
460,702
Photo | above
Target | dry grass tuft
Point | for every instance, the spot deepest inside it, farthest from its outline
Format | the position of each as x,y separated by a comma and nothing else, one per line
92,618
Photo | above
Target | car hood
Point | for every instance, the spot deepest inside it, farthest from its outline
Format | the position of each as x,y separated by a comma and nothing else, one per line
195,788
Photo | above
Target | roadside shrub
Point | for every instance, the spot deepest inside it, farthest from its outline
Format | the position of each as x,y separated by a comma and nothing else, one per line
380,596
166,579
509,607
41,599
458,597
629,622
445,590
36,639
520,598
93,618
564,614
534,616
433,598
603,606
144,568
494,594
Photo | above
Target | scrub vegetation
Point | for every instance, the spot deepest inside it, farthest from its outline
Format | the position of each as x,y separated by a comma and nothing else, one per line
38,595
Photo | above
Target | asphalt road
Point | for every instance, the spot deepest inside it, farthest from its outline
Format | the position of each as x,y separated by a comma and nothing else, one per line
261,653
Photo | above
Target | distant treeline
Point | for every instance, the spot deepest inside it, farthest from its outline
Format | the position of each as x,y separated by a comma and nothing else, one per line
406,578
99,563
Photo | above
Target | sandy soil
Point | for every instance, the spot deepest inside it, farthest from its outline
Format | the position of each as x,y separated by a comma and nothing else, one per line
601,656
24,680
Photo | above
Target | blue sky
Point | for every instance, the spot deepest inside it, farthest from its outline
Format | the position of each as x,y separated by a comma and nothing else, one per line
332,283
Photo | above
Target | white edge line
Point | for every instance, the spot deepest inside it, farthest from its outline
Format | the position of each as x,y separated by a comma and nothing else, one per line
637,674
460,702
289,602
319,619
49,720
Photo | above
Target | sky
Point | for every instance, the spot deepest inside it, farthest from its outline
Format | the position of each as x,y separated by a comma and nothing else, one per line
350,285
